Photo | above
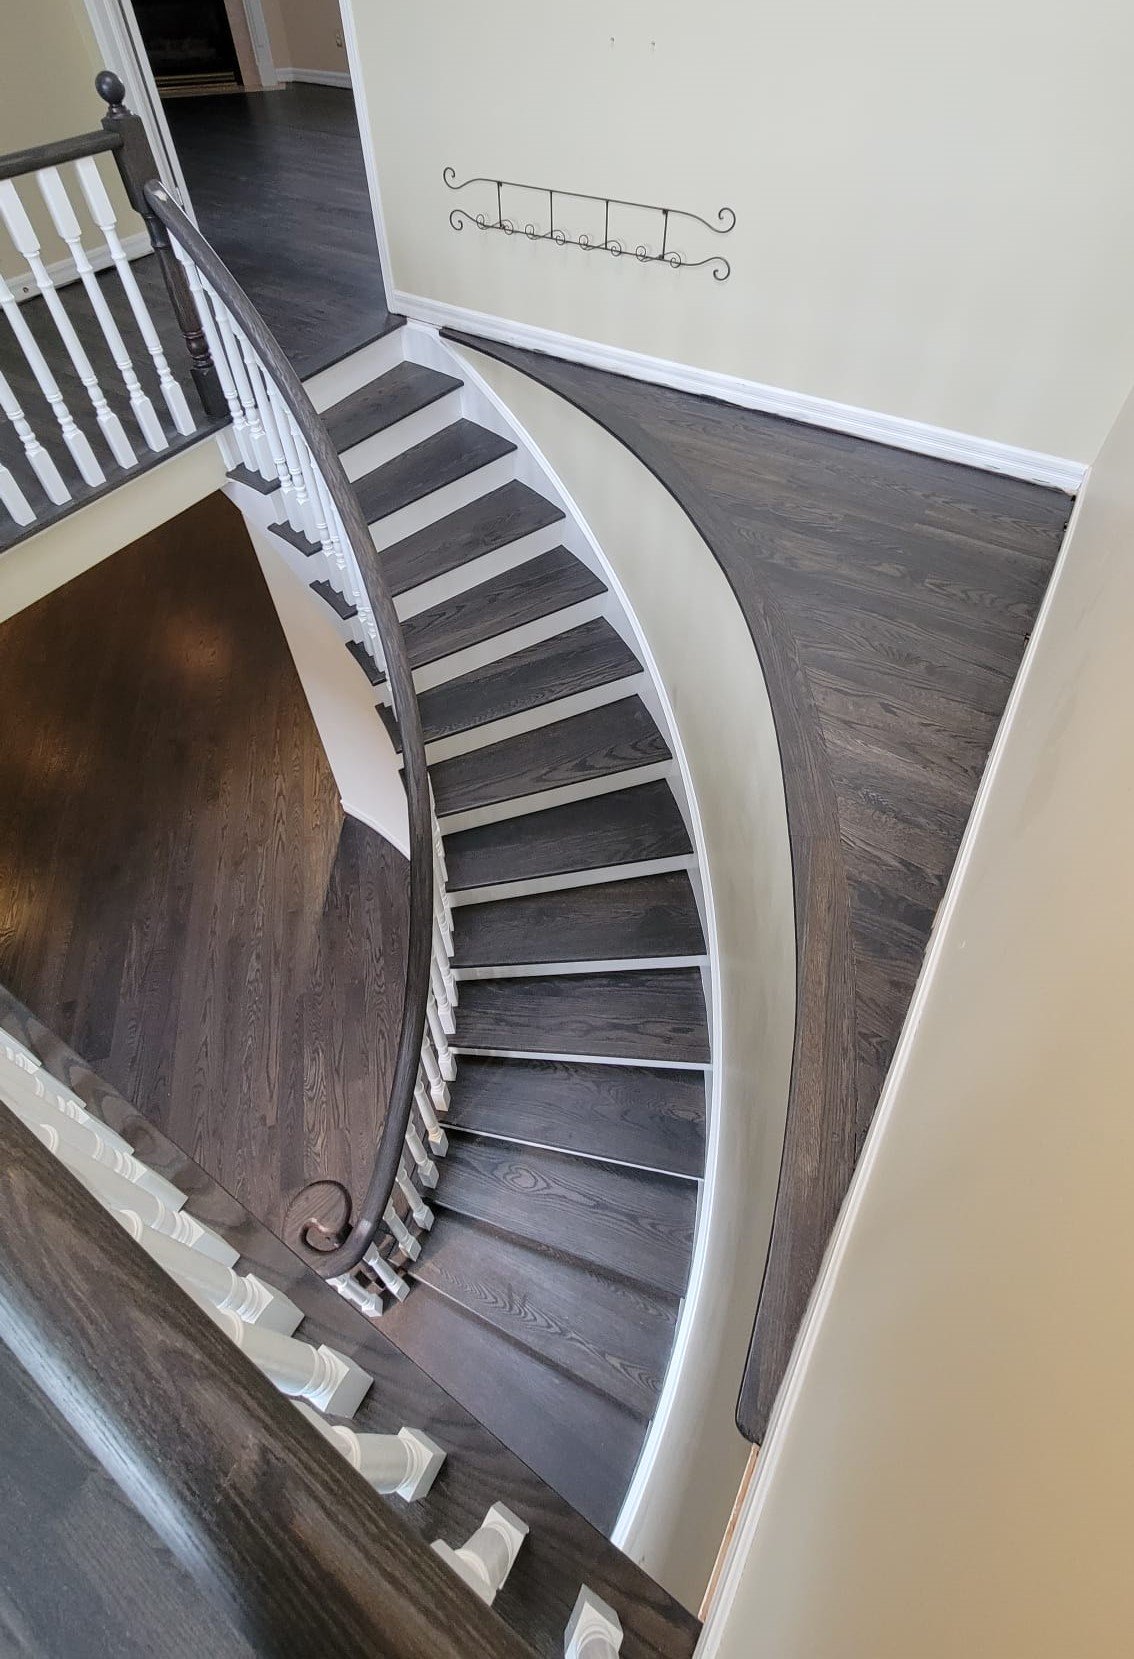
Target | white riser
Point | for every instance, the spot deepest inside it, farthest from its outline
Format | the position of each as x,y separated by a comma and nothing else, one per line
521,805
475,571
580,1059
488,651
381,447
564,970
530,720
570,879
407,521
331,385
459,1129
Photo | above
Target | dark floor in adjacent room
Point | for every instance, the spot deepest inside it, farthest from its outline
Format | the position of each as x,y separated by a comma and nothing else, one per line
279,187
181,897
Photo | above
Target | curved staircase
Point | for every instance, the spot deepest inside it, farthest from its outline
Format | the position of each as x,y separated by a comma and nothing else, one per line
546,1296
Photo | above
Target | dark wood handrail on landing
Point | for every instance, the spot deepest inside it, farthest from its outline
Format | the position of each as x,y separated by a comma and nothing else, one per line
272,1526
159,209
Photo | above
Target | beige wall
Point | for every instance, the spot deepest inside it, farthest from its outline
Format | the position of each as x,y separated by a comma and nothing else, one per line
48,62
933,200
952,1472
306,34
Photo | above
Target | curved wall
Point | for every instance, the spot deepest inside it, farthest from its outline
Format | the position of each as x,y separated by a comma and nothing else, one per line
704,661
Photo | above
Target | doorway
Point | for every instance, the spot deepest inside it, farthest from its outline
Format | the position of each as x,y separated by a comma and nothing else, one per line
190,46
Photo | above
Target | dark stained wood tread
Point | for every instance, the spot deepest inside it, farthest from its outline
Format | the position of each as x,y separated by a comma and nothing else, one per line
448,456
612,1336
297,539
633,1114
366,662
614,738
241,474
633,1223
338,602
532,590
490,522
583,1445
582,659
645,916
401,391
641,1014
628,826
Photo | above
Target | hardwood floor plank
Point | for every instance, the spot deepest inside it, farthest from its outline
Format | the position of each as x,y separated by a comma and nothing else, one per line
537,588
647,916
443,459
490,522
642,1014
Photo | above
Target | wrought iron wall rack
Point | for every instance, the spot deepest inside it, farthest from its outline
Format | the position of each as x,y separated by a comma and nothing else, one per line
556,229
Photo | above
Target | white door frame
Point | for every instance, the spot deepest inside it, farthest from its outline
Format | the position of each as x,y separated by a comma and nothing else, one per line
261,44
120,44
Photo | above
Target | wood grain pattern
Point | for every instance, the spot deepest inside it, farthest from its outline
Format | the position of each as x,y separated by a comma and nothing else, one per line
451,454
646,916
614,738
889,597
638,1115
400,392
491,521
562,1549
641,1014
539,587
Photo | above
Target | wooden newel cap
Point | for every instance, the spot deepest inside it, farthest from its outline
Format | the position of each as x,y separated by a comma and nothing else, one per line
318,1217
110,89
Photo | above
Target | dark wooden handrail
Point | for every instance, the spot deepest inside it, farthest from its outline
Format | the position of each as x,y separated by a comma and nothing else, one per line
56,154
272,1524
158,207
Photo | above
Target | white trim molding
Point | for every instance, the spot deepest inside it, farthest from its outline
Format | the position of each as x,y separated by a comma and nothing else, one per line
316,77
63,271
897,431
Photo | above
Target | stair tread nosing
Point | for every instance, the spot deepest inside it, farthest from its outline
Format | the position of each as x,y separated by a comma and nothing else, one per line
634,1224
633,1114
626,826
645,916
581,659
401,391
537,588
613,1336
490,522
580,1442
442,459
641,1014
614,738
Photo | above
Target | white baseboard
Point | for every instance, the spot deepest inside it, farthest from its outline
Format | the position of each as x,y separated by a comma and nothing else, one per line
63,271
895,430
316,77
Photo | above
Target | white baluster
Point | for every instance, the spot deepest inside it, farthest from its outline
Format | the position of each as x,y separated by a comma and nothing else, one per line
403,1238
594,1630
116,1194
38,458
442,955
438,1088
366,1301
445,1061
438,1139
486,1560
256,381
241,436
315,514
406,1463
76,441
232,351
419,1209
385,1274
441,998
27,242
54,193
326,1379
104,217
295,500
426,1168
211,1281
88,1140
14,499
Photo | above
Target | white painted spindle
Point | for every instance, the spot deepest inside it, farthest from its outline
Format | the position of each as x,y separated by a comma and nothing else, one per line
326,1379
77,443
105,218
406,1463
37,457
438,1088
486,1560
14,500
445,1062
240,448
211,1281
594,1630
403,1238
438,1139
23,234
419,1209
230,346
54,193
426,1168
88,1140
368,1302
385,1274
115,1193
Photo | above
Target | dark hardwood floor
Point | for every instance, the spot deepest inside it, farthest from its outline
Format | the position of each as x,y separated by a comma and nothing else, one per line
181,897
890,597
279,187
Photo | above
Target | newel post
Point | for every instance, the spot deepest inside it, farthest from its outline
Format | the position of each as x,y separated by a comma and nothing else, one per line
138,168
